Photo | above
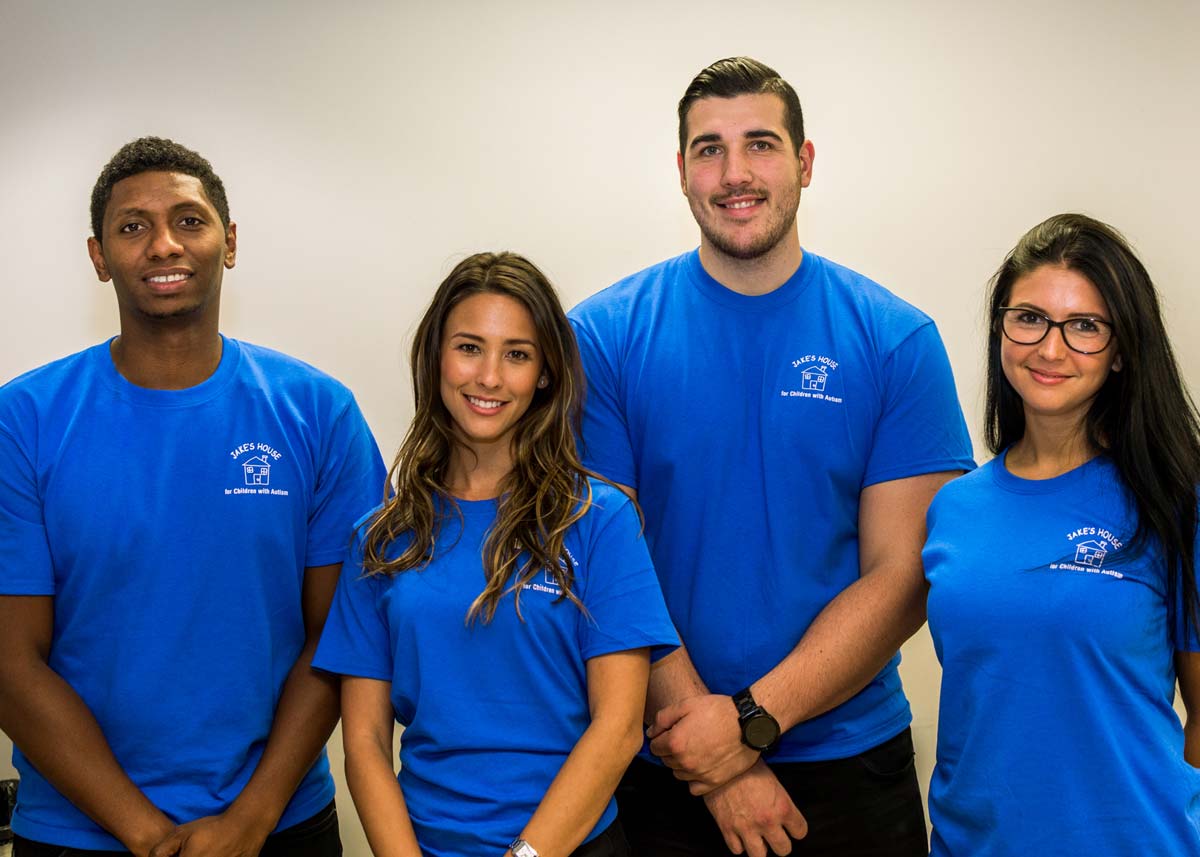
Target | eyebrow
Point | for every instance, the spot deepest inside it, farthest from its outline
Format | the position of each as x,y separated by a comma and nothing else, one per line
1093,315
754,134
145,212
475,337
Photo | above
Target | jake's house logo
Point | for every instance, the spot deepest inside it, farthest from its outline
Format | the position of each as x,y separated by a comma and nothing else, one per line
815,370
254,461
548,583
1092,546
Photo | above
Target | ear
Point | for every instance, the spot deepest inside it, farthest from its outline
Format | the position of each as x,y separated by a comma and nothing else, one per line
231,245
806,155
1117,364
543,382
682,176
97,253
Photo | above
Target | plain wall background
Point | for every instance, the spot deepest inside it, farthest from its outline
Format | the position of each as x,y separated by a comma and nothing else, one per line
367,147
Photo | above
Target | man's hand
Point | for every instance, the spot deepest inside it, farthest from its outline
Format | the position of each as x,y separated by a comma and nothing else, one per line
700,739
755,814
225,835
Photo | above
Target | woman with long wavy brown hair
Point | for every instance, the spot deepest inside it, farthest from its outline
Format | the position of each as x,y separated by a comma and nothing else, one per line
501,604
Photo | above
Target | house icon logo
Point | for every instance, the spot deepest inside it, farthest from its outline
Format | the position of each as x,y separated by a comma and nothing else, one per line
813,378
1090,553
257,471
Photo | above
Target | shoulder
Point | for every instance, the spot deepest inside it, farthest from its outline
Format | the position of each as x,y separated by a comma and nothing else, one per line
41,388
971,486
621,303
280,375
865,300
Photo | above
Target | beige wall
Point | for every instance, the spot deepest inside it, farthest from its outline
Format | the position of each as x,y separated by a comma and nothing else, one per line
368,148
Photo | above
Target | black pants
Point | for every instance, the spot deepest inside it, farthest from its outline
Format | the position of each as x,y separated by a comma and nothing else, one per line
610,843
314,837
864,806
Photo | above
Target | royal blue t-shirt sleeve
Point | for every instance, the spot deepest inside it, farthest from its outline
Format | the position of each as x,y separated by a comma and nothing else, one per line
605,446
625,605
25,562
355,640
921,428
350,481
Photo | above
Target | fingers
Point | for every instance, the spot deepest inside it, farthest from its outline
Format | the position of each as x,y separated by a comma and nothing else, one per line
795,824
169,847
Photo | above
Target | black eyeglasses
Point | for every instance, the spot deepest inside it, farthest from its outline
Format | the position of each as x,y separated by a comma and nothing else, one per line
1026,326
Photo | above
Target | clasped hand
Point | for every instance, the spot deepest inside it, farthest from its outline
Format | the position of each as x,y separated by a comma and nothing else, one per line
212,836
700,740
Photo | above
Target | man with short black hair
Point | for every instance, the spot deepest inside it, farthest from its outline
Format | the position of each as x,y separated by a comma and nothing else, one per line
783,422
174,507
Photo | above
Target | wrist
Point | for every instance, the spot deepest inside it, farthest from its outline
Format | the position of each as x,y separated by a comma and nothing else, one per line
759,728
256,820
148,834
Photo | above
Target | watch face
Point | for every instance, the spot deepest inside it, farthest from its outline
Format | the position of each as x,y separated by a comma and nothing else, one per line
761,731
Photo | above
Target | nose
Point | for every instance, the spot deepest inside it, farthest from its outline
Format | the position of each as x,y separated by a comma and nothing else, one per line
737,169
163,244
1054,345
489,371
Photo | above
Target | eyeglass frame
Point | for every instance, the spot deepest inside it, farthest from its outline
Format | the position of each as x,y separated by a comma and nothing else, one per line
1051,324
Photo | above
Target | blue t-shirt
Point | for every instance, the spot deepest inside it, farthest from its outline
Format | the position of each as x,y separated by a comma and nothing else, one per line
491,711
749,426
173,528
1056,734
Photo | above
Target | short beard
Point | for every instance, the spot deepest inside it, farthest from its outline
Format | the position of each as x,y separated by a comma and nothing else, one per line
757,249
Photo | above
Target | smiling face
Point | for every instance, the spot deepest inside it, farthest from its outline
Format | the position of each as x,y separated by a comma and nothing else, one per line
164,248
742,175
1052,380
491,367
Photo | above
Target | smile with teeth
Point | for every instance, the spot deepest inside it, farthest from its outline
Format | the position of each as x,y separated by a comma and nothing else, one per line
167,278
485,404
743,203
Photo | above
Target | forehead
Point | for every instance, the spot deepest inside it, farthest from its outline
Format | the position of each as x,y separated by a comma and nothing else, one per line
729,117
492,315
1059,290
157,191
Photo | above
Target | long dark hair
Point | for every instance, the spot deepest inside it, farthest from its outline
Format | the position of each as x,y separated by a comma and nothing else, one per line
1142,417
546,491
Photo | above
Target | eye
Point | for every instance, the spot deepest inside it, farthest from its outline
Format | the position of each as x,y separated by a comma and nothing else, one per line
129,228
1086,326
761,146
709,151
467,348
518,355
191,221
1028,318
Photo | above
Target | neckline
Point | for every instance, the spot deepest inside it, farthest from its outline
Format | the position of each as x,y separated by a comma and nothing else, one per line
1070,481
788,291
213,385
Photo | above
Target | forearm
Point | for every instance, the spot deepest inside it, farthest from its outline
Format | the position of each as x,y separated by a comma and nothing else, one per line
846,646
583,786
304,719
57,732
379,800
672,679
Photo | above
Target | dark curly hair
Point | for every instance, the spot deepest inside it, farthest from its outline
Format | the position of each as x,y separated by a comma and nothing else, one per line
734,76
150,154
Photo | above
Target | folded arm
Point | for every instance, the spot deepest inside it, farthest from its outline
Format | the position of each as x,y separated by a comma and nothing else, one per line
57,732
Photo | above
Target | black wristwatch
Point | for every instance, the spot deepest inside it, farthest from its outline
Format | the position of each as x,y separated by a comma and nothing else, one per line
760,731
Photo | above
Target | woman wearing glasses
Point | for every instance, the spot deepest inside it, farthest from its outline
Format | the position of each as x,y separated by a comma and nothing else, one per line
501,605
1062,573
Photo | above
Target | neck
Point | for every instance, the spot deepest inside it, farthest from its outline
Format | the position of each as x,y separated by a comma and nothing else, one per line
164,358
758,276
476,471
1049,449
